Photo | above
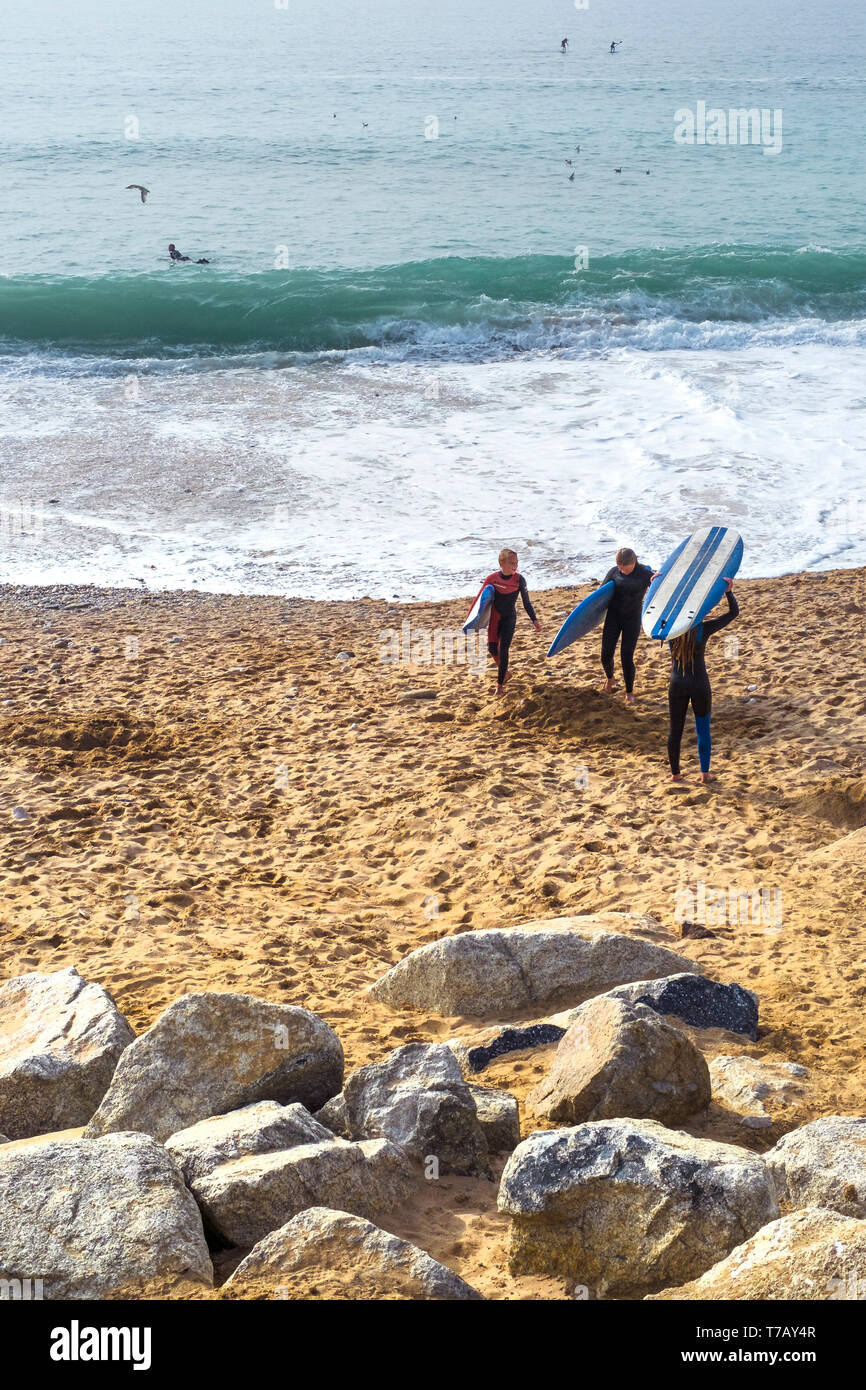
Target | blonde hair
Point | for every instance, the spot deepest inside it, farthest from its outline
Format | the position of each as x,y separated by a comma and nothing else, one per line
683,650
507,555
625,556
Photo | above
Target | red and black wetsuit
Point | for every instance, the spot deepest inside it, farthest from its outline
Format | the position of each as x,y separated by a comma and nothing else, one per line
623,616
503,619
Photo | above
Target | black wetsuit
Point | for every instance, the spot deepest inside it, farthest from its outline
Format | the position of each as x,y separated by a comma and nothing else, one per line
176,256
505,610
693,686
623,617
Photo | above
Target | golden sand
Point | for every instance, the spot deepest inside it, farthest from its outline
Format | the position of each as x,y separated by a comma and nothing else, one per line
245,809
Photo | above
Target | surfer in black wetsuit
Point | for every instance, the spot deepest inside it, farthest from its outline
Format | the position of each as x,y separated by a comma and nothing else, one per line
631,582
176,256
507,584
564,45
691,683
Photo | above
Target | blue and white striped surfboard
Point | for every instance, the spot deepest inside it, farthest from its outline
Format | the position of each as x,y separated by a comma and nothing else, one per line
691,582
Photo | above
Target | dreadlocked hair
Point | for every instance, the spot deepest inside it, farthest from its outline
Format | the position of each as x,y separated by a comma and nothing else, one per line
683,650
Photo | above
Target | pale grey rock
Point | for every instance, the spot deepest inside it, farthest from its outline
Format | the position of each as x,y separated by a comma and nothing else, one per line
814,1254
498,1116
60,1040
823,1164
210,1053
560,961
253,1169
333,1116
324,1254
264,1127
94,1217
764,1091
245,1198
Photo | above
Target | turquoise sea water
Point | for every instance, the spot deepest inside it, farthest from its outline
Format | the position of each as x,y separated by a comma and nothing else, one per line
404,280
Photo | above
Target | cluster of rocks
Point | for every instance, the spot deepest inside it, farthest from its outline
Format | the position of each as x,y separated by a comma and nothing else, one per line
201,1133
230,1122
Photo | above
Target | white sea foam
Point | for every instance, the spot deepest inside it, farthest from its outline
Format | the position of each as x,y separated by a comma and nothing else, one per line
404,481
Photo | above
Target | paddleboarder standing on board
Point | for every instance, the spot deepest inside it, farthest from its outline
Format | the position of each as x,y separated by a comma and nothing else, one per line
507,585
690,683
622,621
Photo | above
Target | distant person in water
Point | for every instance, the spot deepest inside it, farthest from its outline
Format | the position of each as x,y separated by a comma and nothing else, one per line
690,683
615,45
176,256
507,585
622,621
564,45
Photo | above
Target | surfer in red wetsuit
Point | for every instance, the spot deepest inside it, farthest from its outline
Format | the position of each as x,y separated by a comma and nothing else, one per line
507,584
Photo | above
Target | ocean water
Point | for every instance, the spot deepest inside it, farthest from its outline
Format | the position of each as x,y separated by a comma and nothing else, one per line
417,338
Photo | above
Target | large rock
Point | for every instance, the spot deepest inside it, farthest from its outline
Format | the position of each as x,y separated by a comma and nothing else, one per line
93,1218
417,1098
622,1059
499,1118
696,1000
60,1038
815,1254
823,1164
252,1170
209,1053
627,1207
764,1091
325,1254
521,969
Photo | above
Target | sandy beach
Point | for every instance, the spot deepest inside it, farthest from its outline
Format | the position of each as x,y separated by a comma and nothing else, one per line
201,792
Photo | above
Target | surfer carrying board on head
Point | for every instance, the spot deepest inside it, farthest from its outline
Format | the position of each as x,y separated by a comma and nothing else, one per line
622,621
690,683
507,585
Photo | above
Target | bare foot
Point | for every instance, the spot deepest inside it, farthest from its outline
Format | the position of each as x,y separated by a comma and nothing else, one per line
707,777
677,777
629,698
609,687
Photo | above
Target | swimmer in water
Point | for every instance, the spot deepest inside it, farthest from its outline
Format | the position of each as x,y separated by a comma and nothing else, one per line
176,255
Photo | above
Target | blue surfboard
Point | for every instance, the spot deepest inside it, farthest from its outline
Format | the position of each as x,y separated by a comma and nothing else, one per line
585,617
691,582
479,613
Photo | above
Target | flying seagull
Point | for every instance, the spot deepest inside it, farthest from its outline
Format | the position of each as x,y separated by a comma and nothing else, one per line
143,191
571,178
568,161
